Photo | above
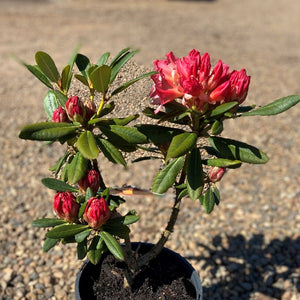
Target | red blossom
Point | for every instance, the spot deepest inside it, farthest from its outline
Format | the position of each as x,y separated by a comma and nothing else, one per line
96,212
75,109
66,207
91,180
191,79
60,115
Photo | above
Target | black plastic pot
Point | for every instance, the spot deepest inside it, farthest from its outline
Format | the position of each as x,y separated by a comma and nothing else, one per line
84,284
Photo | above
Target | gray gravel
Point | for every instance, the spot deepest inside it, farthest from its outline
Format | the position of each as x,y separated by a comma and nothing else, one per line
249,247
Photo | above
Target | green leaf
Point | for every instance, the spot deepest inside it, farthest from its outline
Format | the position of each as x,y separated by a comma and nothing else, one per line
47,131
117,57
82,79
194,174
77,168
209,201
217,127
116,66
216,195
100,78
221,109
36,71
183,194
64,231
73,56
81,236
113,121
49,243
47,222
82,249
87,146
276,107
65,77
122,134
125,220
107,109
50,103
96,249
82,63
129,83
61,97
223,162
111,152
82,209
235,150
112,245
60,163
158,135
121,231
58,185
167,176
47,65
181,144
103,59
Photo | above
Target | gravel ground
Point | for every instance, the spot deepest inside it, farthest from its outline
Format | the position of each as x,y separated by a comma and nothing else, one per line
249,247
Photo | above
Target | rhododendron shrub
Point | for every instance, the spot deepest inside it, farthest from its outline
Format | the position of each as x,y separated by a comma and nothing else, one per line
191,101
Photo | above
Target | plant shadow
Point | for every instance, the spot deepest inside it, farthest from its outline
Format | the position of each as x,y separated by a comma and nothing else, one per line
250,266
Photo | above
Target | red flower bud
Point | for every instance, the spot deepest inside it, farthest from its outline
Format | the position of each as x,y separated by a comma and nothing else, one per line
75,109
216,173
90,108
66,207
239,85
96,212
91,180
60,115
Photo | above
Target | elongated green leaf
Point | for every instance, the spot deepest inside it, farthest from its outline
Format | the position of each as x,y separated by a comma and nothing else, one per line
81,236
167,176
57,185
87,146
77,168
125,220
49,243
96,249
82,63
128,135
82,249
103,59
64,231
217,127
117,57
181,144
221,109
235,150
47,65
50,104
36,71
100,78
129,83
47,222
117,66
111,152
65,77
194,174
276,107
82,209
114,121
216,195
61,97
223,162
82,79
209,201
47,131
107,109
112,245
60,163
158,135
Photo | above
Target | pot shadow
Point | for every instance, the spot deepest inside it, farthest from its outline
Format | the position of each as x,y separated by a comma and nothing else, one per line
251,266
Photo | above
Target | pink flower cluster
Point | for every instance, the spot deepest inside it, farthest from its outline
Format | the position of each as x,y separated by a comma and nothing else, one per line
191,79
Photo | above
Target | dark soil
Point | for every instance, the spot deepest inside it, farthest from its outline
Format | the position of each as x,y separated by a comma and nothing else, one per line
164,279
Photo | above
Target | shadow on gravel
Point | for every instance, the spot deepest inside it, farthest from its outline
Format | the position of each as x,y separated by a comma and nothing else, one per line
244,267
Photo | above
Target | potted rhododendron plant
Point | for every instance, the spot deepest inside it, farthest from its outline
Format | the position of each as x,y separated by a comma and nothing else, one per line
190,102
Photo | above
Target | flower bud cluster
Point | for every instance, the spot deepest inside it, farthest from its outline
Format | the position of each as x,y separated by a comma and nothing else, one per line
191,79
75,111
